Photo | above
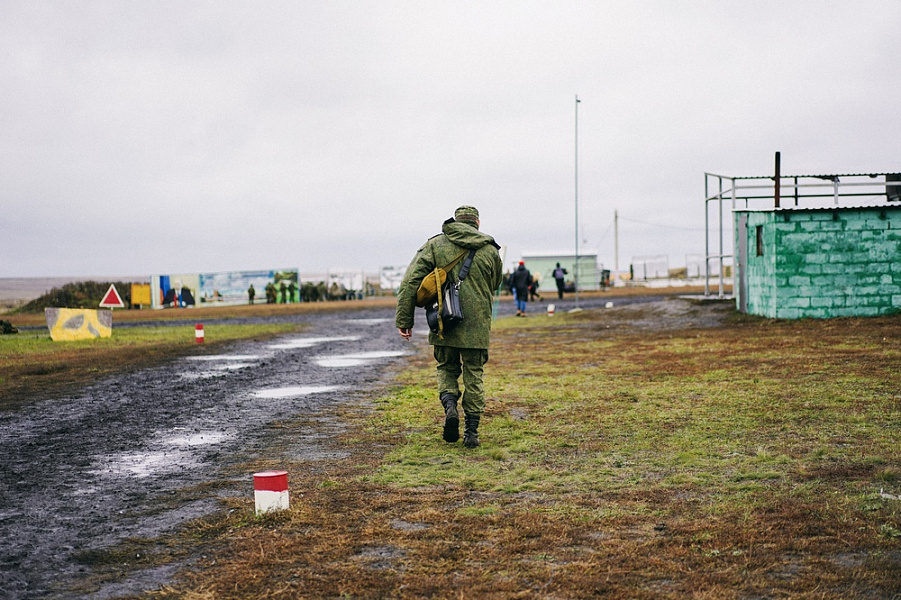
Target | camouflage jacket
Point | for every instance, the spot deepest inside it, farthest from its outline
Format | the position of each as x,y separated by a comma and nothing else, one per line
476,291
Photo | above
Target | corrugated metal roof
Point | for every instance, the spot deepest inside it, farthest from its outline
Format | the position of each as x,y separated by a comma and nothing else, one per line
891,206
830,176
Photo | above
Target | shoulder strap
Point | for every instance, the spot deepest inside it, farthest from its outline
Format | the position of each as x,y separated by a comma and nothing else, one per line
454,262
464,270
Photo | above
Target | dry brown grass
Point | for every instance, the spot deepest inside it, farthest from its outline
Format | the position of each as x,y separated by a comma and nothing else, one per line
645,524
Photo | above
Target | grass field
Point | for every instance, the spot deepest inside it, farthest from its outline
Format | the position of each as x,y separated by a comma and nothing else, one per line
626,454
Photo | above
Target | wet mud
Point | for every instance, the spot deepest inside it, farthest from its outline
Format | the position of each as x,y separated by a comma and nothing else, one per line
128,457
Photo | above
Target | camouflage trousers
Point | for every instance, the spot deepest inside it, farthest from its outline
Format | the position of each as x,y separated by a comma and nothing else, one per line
470,362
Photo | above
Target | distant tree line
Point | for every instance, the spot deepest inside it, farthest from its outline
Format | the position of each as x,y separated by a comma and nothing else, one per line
82,294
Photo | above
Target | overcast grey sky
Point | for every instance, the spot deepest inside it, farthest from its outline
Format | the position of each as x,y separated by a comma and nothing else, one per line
165,137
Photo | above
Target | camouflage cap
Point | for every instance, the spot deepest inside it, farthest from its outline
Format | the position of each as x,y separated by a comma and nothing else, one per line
467,214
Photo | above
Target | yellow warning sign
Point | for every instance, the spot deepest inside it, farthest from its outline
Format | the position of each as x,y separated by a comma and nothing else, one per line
70,324
140,294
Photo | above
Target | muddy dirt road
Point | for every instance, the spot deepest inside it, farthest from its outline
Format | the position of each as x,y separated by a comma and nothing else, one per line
128,456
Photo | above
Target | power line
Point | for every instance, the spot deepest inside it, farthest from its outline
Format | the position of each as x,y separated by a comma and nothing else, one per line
659,225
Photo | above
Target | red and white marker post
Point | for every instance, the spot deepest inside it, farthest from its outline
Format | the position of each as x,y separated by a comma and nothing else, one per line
198,333
270,491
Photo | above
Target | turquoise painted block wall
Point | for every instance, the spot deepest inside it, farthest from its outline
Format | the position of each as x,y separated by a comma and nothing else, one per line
822,263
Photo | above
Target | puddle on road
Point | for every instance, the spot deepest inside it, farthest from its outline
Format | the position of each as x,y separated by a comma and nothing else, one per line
356,359
367,321
217,370
177,456
144,464
291,392
201,438
202,375
215,357
310,342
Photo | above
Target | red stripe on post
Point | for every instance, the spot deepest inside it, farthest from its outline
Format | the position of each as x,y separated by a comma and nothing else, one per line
270,481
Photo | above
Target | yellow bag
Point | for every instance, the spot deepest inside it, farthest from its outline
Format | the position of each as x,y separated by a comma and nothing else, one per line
434,281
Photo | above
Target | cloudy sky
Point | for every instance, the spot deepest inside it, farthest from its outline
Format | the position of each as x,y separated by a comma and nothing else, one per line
163,137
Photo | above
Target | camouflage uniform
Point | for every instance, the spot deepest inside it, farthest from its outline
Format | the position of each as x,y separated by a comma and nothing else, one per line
464,349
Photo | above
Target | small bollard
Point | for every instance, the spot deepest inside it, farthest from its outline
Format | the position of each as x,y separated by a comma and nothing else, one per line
550,310
270,491
198,333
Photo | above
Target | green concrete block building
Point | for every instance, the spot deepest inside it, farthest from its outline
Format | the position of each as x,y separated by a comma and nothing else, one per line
818,262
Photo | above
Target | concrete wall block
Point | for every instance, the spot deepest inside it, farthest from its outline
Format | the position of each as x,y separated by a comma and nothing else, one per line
811,270
849,258
795,302
781,227
788,313
824,284
856,301
797,238
857,224
805,291
868,235
816,258
820,226
798,280
877,224
883,252
822,302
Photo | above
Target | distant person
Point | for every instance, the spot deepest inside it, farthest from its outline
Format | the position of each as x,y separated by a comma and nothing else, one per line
463,349
533,287
560,278
284,290
521,280
251,293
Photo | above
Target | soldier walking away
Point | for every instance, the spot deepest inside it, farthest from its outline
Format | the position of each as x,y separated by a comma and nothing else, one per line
463,349
560,278
251,293
520,281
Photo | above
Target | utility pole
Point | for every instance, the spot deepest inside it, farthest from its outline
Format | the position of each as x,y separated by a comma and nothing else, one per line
615,247
576,266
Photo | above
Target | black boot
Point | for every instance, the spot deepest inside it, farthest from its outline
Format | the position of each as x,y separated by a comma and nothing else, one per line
471,432
451,418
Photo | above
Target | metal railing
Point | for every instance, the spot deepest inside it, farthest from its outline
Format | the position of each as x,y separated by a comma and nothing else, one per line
805,191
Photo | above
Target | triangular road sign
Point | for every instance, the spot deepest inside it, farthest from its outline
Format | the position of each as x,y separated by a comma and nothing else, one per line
112,299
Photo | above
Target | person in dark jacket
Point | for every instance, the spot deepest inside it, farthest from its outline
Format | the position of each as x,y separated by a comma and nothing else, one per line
520,282
463,349
560,278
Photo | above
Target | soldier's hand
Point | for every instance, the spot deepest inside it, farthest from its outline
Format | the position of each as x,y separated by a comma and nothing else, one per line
405,333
